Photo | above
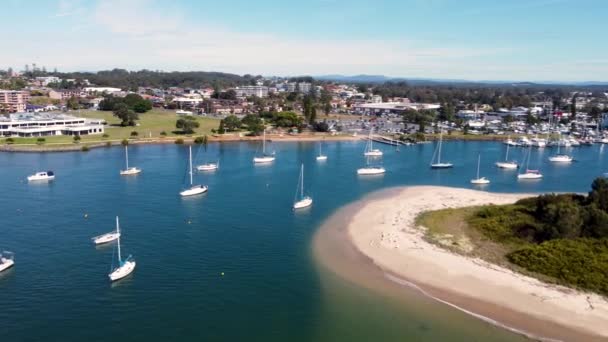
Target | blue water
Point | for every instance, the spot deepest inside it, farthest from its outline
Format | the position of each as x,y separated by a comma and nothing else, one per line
243,227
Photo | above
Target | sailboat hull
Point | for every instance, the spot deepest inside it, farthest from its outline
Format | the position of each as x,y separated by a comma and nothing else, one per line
371,171
373,153
561,159
207,167
321,158
6,264
122,271
507,165
195,190
304,203
480,181
442,166
106,238
263,160
130,171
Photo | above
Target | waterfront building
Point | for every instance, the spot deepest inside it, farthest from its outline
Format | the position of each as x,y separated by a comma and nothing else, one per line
48,124
391,107
257,90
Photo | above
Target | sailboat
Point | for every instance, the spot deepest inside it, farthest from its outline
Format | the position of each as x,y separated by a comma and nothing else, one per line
507,164
560,158
264,158
301,201
129,170
321,156
370,151
439,164
194,189
529,174
107,237
209,166
7,260
370,170
479,180
125,267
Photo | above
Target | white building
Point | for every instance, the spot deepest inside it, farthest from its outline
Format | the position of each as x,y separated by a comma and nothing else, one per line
257,90
48,124
102,90
392,107
302,87
46,80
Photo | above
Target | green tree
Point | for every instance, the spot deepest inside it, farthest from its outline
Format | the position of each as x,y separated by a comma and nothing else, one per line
187,124
232,123
72,103
126,115
254,123
573,107
595,112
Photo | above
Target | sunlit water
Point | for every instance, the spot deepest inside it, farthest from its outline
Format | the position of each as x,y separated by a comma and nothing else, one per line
243,228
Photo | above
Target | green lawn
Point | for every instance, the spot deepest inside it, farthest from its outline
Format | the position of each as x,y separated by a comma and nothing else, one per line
151,124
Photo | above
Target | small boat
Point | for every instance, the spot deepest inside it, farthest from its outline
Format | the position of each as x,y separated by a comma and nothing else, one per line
439,164
301,201
41,176
7,260
370,170
208,166
507,164
125,267
321,156
479,180
194,189
128,171
264,158
107,237
370,151
560,158
530,174
538,142
510,142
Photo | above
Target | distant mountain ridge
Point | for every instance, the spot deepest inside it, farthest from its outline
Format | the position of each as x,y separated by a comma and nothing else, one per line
430,81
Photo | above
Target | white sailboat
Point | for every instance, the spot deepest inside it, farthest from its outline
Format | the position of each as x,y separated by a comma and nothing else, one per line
264,158
321,156
507,164
369,170
129,170
107,237
560,158
194,189
125,267
370,151
209,166
7,260
301,201
479,180
41,176
439,164
530,174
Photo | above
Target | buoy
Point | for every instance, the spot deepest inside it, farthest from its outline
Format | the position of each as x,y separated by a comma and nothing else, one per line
86,215
222,274
189,221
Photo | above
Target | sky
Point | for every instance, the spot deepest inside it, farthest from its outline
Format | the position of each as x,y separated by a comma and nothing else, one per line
514,40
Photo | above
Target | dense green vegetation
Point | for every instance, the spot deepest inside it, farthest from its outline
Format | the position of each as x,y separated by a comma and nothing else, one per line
562,236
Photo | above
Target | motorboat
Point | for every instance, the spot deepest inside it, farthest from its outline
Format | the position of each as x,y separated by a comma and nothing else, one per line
41,176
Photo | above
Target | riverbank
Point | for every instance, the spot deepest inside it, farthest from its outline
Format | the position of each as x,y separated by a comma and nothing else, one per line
70,147
375,243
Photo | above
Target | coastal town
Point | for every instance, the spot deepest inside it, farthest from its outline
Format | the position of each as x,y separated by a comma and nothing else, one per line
38,104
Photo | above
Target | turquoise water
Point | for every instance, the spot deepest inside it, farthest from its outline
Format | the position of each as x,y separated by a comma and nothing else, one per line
244,227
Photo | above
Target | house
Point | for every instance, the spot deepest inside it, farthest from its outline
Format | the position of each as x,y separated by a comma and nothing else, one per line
65,94
13,100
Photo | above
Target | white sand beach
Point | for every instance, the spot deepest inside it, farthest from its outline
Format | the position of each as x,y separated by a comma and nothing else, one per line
382,228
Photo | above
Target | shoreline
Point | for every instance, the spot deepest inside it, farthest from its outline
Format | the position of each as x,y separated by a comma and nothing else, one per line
374,243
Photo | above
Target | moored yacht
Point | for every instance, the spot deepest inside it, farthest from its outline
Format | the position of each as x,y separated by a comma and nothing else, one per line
129,171
41,176
107,237
125,267
7,260
195,189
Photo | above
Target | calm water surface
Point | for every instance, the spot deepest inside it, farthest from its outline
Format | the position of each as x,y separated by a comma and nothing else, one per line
244,227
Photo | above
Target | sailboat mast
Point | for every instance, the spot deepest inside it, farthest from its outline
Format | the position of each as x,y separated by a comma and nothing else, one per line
439,152
118,231
264,143
478,162
507,154
302,183
190,159
127,156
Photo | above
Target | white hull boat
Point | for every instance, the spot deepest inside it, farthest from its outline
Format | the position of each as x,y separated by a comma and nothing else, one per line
530,174
321,156
365,171
301,201
264,158
208,167
439,164
370,151
41,176
194,189
561,158
125,267
6,261
373,153
479,180
507,165
106,238
129,171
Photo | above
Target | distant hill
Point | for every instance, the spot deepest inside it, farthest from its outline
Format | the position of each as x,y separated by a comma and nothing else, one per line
431,81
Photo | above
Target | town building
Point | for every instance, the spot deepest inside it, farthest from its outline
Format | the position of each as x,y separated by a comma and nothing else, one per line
48,124
13,100
103,90
44,81
246,91
65,94
391,107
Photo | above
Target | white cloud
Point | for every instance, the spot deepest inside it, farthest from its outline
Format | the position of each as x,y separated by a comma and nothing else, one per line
68,7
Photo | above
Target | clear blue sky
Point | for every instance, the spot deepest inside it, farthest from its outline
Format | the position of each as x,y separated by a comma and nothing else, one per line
534,40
